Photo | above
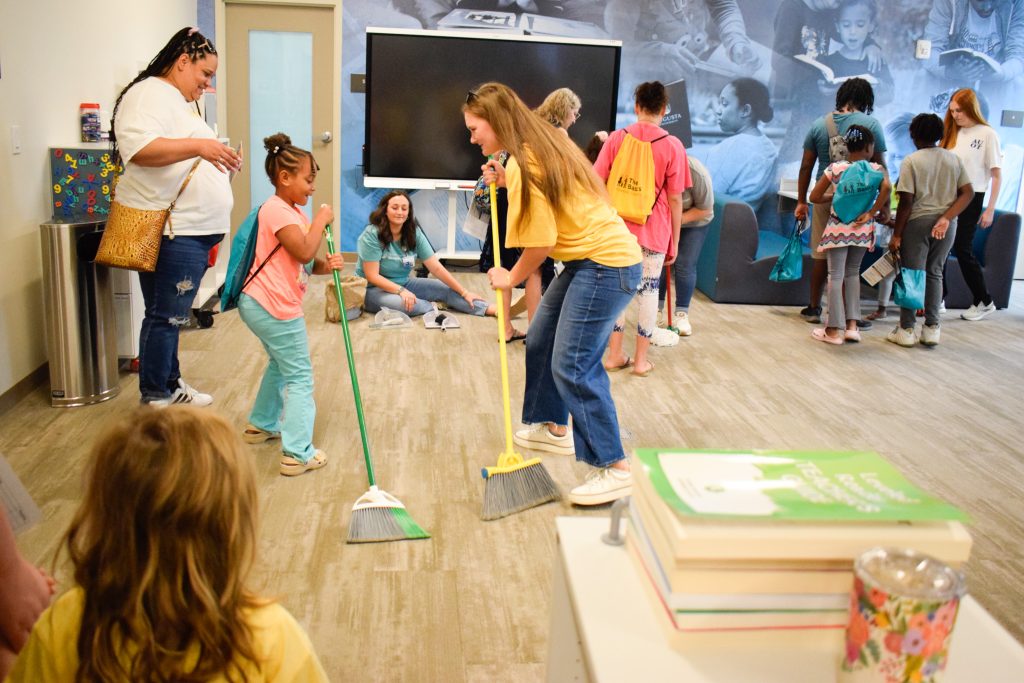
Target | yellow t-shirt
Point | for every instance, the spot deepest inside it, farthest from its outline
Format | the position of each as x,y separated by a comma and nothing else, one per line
587,227
51,653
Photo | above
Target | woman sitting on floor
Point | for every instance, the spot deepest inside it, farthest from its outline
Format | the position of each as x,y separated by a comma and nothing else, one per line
388,249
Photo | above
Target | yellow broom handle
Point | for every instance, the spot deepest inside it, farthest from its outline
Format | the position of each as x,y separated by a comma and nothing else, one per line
496,249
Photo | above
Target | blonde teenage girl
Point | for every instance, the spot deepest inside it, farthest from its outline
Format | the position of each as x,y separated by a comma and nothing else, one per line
558,207
161,548
271,306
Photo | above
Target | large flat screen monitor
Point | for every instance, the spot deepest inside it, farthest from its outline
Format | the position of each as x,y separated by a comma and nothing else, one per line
417,81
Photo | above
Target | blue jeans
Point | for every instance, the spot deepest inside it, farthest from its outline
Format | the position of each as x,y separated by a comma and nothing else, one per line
568,336
427,291
691,240
284,402
168,293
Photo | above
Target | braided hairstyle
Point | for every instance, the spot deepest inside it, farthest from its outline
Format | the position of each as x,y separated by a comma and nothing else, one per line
188,41
858,138
282,155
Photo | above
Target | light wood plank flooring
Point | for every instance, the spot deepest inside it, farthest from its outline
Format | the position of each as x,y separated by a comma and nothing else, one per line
471,604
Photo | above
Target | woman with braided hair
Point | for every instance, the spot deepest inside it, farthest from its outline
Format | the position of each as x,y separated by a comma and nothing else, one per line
158,134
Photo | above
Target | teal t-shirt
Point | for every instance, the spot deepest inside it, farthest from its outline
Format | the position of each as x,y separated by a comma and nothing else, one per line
396,263
817,137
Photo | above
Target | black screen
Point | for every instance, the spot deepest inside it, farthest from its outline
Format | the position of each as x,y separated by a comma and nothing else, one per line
417,83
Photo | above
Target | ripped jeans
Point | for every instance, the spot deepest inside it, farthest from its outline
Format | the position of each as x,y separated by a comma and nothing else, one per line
168,294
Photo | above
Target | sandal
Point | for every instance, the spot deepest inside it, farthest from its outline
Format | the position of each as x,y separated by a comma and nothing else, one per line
646,372
254,434
876,315
516,336
819,334
616,368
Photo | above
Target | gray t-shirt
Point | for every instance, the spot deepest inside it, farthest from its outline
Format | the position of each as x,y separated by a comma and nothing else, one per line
700,194
933,176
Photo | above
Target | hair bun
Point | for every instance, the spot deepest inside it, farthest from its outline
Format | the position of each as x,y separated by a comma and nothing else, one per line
276,142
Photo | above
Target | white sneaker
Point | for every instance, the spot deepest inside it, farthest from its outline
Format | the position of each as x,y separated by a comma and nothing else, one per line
540,438
942,307
930,335
603,486
682,323
904,336
184,394
662,337
978,311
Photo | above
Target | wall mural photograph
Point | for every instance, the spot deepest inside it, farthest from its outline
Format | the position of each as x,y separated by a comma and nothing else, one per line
751,76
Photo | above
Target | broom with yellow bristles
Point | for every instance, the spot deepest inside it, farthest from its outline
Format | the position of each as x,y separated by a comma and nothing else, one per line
513,484
376,515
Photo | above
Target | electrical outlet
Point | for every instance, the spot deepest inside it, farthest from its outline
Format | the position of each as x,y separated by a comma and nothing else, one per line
15,139
923,49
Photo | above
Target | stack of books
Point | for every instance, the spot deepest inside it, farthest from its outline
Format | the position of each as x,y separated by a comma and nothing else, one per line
762,541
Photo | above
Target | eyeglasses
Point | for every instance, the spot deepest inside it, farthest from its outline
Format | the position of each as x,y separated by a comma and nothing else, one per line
576,116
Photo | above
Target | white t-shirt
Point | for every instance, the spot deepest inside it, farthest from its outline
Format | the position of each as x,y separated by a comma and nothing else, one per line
978,148
153,109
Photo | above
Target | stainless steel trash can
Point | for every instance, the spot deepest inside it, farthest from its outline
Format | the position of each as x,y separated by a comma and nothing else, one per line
81,340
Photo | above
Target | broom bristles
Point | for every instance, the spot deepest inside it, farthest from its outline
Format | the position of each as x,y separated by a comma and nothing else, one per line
378,524
506,493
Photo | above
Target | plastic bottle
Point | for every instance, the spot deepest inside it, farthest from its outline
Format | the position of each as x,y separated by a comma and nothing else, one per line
90,114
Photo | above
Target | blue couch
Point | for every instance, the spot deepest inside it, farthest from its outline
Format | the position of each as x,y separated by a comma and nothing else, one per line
996,250
737,258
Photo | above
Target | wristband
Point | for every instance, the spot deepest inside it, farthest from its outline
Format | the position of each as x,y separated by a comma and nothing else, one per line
400,289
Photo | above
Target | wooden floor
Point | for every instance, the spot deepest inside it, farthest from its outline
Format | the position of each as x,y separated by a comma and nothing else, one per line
471,604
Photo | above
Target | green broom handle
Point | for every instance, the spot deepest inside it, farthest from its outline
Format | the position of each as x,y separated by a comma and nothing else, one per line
351,360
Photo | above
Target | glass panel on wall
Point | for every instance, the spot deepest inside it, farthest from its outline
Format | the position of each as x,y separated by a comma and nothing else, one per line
280,99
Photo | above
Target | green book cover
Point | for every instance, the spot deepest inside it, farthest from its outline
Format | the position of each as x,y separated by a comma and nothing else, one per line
788,485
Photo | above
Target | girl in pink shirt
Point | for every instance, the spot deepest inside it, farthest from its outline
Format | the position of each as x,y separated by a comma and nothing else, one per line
271,306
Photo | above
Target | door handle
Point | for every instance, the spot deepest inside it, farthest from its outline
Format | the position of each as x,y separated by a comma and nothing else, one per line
326,137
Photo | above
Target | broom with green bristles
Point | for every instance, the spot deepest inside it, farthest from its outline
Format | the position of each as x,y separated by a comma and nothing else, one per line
376,515
513,484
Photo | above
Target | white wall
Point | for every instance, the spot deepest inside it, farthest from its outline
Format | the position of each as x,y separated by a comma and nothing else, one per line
40,89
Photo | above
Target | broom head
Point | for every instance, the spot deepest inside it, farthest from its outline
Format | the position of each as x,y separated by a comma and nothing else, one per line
378,516
514,485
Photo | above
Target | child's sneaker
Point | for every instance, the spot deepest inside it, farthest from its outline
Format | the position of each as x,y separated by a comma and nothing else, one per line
540,438
603,486
930,335
904,336
292,466
811,314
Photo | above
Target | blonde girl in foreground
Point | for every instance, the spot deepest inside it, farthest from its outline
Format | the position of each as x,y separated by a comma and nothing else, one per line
161,547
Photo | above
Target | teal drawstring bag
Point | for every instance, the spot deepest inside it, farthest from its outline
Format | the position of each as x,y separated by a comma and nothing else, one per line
908,288
856,191
790,264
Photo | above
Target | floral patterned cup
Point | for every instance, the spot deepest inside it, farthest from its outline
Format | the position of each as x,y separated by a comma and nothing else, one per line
902,609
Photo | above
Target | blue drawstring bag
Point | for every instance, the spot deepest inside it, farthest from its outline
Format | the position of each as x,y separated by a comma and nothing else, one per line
790,264
243,254
908,288
856,191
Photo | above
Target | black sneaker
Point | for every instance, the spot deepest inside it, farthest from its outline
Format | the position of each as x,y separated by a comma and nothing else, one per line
864,324
811,314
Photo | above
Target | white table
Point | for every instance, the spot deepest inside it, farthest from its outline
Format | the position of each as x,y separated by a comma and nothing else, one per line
604,629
